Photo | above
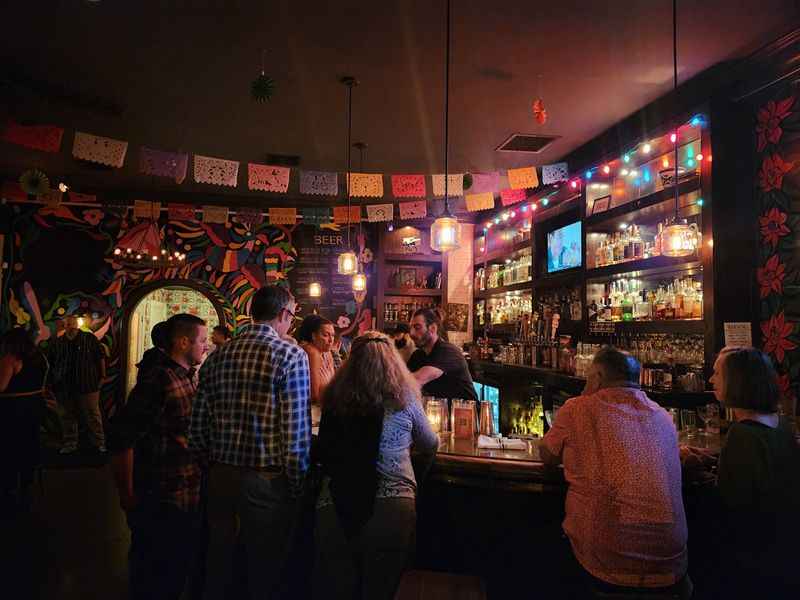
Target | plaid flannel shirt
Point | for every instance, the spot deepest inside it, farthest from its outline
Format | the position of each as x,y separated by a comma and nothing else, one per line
252,406
155,423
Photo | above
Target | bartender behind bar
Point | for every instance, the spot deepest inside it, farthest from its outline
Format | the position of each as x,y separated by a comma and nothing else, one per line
438,365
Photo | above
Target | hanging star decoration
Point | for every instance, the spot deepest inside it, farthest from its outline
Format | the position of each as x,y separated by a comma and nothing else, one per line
262,87
34,182
539,111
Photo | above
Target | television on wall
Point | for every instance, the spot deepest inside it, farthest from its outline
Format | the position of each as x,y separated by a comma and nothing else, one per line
564,249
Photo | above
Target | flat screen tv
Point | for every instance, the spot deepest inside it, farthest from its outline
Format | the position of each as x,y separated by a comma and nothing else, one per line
564,248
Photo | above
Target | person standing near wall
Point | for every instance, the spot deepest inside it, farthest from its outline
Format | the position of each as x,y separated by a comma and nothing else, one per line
78,366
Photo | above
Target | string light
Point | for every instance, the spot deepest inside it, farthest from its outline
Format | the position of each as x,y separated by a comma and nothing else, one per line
588,174
623,172
545,201
647,148
673,138
574,184
699,157
700,202
626,158
665,162
606,169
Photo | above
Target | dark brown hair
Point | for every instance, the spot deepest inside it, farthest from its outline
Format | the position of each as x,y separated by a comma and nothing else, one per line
433,316
310,325
750,380
268,302
183,325
617,365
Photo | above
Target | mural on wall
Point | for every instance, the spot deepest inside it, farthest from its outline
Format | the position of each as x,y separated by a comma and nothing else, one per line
59,261
777,137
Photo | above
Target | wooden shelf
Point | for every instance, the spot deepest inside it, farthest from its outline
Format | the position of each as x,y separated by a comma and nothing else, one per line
502,253
686,187
411,292
524,286
647,266
413,258
683,326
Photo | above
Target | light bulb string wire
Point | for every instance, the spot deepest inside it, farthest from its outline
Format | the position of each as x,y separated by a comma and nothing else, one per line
447,112
675,93
349,135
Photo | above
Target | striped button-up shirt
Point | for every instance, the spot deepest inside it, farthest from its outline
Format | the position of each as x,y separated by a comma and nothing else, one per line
252,405
75,363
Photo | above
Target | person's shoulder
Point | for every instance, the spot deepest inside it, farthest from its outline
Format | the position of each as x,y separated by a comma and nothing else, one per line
448,348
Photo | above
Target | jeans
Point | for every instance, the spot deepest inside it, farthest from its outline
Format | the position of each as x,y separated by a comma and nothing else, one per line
89,404
370,564
253,521
167,552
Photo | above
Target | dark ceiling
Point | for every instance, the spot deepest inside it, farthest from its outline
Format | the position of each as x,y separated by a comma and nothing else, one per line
179,74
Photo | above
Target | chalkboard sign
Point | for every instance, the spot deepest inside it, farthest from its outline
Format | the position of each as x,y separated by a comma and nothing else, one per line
317,256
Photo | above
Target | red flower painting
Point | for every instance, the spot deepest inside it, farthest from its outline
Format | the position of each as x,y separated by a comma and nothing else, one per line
773,168
785,385
773,226
768,128
776,336
770,276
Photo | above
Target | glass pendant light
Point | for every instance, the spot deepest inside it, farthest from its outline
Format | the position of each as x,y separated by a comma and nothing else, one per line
348,263
314,290
446,230
359,282
679,239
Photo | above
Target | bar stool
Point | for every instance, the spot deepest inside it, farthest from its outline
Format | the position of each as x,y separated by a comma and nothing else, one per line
683,590
433,585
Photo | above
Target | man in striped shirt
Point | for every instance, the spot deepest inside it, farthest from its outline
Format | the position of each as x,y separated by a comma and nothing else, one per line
252,419
78,366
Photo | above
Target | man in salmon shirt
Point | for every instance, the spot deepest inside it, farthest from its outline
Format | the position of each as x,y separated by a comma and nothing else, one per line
624,510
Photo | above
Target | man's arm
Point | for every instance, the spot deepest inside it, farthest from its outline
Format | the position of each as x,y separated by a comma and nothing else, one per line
296,421
200,423
122,467
548,457
551,448
427,374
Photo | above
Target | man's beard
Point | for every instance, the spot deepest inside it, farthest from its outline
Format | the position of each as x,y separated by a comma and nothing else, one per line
424,340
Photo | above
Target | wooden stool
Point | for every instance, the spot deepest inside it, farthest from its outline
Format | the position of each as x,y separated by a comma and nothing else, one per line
432,585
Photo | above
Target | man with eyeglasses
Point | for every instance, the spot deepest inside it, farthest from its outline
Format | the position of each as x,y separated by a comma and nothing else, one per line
252,420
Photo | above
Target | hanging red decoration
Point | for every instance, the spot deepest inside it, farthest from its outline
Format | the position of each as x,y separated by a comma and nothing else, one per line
539,111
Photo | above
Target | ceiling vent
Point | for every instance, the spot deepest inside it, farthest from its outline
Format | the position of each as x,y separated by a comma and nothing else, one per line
524,142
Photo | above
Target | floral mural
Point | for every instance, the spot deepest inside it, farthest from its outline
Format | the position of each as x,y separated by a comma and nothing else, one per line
777,137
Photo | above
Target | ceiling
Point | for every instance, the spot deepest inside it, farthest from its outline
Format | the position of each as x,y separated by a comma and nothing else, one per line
180,77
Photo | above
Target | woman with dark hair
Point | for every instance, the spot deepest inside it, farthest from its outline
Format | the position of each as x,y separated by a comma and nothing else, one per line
23,375
759,472
366,516
316,335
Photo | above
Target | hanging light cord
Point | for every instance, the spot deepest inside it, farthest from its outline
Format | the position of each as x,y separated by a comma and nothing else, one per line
675,94
349,132
446,111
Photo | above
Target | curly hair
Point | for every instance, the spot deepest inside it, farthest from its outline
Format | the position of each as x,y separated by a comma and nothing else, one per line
374,375
310,325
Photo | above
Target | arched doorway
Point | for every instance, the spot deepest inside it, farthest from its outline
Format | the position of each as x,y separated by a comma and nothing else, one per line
157,305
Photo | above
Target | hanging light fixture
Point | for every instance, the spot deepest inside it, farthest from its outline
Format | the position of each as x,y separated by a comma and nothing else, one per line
446,230
359,282
314,290
141,248
680,239
348,263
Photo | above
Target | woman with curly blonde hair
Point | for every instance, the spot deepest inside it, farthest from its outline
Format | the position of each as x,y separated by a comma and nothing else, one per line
366,516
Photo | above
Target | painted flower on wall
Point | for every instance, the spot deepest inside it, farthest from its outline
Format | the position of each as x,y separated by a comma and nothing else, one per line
343,322
770,276
785,385
93,216
366,256
776,333
773,168
773,226
768,128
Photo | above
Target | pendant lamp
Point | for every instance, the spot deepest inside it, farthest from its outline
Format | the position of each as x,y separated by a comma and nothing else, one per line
348,263
679,239
359,283
314,290
446,230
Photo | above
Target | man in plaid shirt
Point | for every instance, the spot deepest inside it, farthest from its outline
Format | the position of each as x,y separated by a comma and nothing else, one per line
157,475
252,420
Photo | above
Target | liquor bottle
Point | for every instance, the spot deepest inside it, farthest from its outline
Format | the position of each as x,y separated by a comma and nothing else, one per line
627,244
637,243
599,254
609,259
627,307
658,243
619,249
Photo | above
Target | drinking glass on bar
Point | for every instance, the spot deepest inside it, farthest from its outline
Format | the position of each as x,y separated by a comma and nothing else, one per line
676,418
689,421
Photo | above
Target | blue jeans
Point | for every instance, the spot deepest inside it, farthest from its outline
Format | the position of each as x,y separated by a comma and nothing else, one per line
253,520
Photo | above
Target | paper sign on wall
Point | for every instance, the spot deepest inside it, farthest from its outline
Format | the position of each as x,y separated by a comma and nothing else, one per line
455,184
519,179
738,334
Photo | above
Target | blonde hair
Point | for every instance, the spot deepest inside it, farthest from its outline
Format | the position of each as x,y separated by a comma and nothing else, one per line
373,376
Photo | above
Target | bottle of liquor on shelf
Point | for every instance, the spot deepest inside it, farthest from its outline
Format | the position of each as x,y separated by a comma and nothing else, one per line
659,240
637,243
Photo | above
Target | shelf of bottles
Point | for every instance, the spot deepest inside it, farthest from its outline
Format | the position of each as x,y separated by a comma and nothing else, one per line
515,269
398,309
509,308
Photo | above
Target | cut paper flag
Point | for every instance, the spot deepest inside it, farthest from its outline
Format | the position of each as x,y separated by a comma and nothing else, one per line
267,178
366,185
144,209
485,182
313,215
508,197
455,184
555,173
215,214
413,210
340,215
283,216
320,183
46,138
83,198
216,171
249,216
103,150
377,213
475,202
520,179
180,212
163,164
408,186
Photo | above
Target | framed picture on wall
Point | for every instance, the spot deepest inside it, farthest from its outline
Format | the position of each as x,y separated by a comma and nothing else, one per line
600,205
408,277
